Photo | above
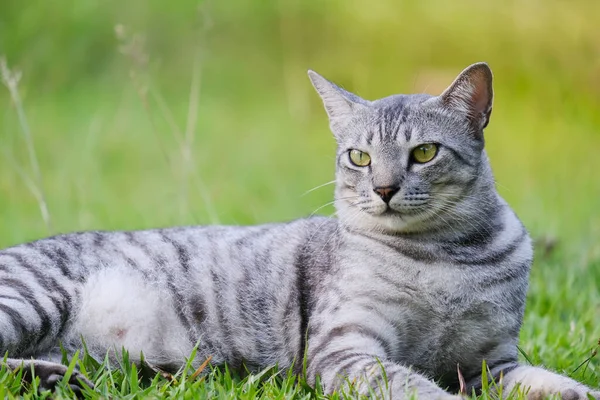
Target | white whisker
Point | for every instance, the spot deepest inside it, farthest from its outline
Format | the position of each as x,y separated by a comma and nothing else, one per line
318,187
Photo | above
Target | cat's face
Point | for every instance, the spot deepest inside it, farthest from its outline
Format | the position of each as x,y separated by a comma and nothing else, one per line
405,162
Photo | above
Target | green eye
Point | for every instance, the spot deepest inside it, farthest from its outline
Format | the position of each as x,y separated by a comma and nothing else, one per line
360,158
425,152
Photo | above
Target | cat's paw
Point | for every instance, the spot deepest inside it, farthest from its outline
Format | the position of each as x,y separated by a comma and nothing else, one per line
539,383
595,394
50,374
580,393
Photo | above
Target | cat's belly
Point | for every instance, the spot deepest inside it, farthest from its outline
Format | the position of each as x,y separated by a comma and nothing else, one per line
119,308
122,308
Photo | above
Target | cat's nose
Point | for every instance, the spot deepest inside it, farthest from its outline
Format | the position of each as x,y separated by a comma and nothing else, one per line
386,193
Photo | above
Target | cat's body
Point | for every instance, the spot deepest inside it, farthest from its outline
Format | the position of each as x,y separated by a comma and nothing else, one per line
425,272
267,285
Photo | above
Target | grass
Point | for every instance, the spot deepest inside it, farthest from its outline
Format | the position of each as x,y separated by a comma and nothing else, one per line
211,118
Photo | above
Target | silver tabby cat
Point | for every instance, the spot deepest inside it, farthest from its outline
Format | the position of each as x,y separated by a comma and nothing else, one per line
425,270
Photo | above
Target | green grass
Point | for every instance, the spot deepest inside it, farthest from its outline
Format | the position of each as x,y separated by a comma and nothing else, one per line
112,147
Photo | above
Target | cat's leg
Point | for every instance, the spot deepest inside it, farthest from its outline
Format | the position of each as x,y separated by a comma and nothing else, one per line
357,362
542,383
539,383
36,309
367,374
25,332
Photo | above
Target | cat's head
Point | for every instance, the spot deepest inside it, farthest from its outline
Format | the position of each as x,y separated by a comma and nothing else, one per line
410,163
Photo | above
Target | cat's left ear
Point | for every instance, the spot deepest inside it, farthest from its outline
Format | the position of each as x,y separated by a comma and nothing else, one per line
471,94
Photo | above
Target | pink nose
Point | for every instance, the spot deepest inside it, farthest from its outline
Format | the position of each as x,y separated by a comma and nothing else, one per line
386,193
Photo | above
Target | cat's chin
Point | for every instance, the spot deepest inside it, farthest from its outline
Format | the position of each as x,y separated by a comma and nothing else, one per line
388,222
394,223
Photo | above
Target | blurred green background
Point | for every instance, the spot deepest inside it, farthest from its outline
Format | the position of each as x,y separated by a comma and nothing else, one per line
106,89
155,113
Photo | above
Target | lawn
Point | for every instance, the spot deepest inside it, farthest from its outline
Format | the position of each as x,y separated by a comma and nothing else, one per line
145,114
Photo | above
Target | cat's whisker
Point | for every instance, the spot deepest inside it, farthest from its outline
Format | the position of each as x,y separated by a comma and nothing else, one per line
318,187
460,200
332,202
321,207
460,196
458,218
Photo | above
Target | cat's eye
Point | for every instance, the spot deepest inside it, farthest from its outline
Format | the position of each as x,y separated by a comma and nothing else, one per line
360,158
425,152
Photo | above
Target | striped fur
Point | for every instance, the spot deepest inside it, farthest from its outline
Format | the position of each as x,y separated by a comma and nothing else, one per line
434,279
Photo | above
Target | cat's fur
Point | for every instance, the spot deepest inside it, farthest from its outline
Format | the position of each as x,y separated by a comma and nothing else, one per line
432,282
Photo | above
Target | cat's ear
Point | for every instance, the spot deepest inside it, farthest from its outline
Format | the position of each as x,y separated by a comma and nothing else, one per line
471,94
338,102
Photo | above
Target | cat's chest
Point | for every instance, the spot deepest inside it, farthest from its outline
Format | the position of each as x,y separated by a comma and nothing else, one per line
439,295
441,316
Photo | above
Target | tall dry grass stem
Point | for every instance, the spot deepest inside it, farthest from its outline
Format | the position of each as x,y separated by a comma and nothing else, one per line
11,79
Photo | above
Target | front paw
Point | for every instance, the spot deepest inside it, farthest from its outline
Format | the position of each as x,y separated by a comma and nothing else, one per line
540,383
574,393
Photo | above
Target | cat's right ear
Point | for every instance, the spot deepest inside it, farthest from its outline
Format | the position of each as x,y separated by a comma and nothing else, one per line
338,102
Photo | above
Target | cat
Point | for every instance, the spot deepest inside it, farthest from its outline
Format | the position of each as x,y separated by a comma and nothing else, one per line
423,274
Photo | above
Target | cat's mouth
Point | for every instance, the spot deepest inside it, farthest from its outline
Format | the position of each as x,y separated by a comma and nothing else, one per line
390,212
